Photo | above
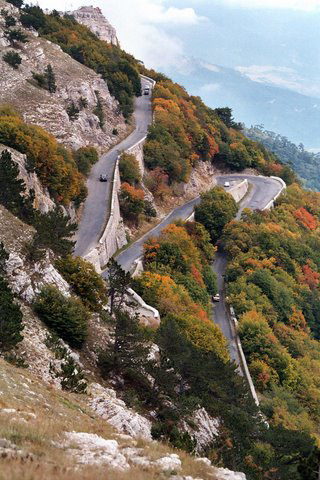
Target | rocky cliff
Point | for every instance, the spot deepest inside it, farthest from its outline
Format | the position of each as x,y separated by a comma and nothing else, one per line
76,84
93,18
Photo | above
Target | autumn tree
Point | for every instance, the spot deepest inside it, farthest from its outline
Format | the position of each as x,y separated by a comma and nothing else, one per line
129,169
131,201
85,281
215,210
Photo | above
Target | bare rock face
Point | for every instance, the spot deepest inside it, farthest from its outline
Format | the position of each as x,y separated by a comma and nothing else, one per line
225,474
105,403
74,82
205,429
93,18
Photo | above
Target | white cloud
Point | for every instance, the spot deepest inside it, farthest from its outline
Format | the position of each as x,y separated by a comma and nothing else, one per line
140,27
305,5
209,66
282,77
210,88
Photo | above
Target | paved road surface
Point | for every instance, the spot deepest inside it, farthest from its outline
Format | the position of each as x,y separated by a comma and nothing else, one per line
220,313
263,190
96,209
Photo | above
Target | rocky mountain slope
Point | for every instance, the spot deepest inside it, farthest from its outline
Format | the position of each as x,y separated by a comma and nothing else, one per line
93,18
75,83
120,441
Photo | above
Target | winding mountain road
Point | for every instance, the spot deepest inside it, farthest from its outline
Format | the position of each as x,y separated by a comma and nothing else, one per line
96,208
262,191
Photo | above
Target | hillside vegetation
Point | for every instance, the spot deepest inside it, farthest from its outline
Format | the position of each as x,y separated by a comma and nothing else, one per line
186,131
54,164
304,163
273,283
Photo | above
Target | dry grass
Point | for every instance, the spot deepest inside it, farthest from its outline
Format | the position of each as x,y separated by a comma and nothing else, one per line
41,415
13,470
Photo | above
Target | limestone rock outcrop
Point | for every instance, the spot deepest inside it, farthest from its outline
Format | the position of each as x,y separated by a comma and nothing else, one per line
105,403
93,18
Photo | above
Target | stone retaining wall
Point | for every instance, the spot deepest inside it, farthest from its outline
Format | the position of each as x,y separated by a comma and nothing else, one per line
239,190
114,236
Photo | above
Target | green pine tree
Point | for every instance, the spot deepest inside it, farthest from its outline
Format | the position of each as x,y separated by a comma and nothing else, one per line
12,188
10,314
54,231
128,351
118,283
51,79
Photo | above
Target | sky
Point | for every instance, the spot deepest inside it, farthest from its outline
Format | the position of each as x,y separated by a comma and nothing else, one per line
271,42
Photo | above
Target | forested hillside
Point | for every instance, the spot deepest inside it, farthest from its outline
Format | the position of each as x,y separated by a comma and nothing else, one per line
273,283
304,163
185,131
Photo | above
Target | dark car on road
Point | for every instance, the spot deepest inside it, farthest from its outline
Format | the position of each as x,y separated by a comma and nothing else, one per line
103,178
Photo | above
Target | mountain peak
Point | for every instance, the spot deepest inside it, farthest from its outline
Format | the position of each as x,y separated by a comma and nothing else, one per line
93,18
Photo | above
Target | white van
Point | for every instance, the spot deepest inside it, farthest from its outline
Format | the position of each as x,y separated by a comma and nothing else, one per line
226,184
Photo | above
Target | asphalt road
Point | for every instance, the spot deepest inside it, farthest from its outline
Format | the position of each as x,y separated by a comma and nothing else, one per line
96,208
262,191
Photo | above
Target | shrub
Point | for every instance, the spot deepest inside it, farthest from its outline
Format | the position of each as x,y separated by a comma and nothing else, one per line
131,202
84,280
149,209
129,169
67,317
12,58
70,373
16,3
16,35
85,157
83,103
98,111
9,19
72,111
40,78
32,17
10,318
115,131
